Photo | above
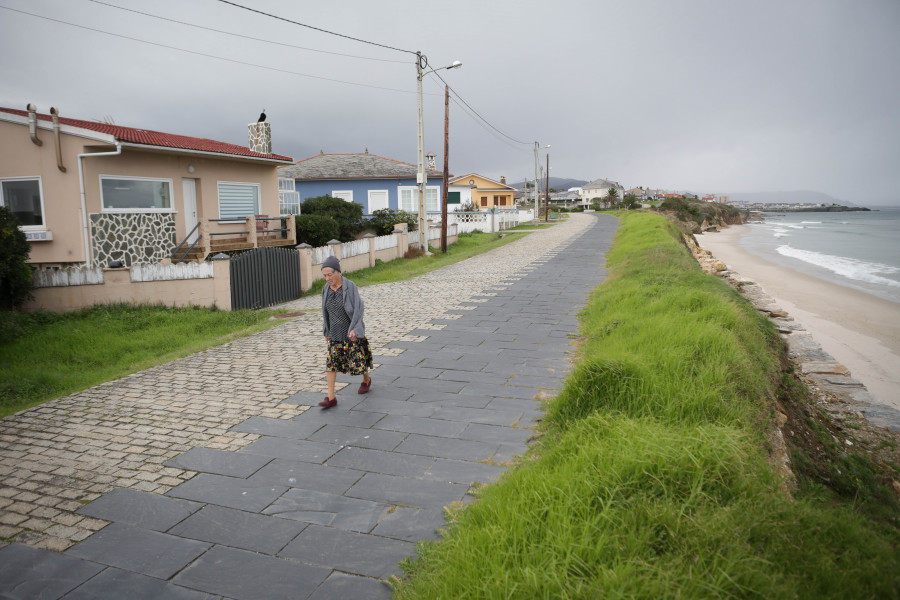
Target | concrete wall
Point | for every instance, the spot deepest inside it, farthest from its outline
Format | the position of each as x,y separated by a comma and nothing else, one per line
118,287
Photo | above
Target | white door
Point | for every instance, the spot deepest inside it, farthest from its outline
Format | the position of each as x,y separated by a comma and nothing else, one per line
189,189
378,199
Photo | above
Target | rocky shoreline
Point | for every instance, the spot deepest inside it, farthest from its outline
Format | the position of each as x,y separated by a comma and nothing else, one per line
856,420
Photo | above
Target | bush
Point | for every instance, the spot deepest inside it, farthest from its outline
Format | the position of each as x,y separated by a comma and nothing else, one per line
15,274
383,220
316,230
347,215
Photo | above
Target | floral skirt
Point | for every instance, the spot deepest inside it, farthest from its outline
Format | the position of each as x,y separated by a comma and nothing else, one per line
353,358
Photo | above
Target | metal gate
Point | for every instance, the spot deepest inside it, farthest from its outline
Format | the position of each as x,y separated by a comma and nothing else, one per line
264,277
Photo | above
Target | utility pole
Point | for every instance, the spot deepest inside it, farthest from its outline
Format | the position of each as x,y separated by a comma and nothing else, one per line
537,215
547,200
422,175
446,168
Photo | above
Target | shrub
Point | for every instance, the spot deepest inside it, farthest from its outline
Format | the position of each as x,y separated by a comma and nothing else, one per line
316,230
383,220
15,274
347,215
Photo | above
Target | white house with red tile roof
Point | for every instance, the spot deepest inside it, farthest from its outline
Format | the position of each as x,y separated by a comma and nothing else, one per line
90,193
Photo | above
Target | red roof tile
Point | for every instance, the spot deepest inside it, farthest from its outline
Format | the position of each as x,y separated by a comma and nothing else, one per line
156,138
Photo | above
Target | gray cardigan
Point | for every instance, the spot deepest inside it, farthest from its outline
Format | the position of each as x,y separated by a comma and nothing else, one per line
354,306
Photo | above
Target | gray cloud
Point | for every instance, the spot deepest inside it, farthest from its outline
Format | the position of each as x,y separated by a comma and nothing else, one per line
707,95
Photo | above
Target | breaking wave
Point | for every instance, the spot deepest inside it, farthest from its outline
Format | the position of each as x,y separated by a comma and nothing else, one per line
846,267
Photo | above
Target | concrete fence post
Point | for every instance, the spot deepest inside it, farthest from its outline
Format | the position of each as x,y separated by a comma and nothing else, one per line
401,230
222,281
371,248
306,274
335,247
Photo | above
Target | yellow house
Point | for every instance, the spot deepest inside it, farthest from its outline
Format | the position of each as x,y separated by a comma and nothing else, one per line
487,193
95,194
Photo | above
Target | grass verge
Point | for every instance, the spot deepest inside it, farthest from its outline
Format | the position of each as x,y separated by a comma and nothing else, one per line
651,478
46,355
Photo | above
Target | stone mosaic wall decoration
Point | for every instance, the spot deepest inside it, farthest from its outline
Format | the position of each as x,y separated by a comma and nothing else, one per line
260,137
132,238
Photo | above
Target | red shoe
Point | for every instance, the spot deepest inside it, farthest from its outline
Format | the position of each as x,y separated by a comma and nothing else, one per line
326,403
364,387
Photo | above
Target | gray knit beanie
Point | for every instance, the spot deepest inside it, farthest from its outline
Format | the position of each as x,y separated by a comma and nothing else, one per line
333,263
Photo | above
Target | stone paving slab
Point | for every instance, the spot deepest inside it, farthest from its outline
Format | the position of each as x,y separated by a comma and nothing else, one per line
282,498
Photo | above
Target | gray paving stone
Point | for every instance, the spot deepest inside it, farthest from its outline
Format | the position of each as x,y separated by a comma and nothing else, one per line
395,407
485,416
277,428
407,492
139,550
498,390
246,575
434,385
219,462
315,452
28,573
299,474
117,583
376,461
425,445
494,433
421,425
227,491
374,438
340,586
337,416
412,524
463,471
462,376
508,452
341,512
238,529
142,509
358,553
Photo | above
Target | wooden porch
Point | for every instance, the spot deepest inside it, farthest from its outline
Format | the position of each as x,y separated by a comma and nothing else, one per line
222,235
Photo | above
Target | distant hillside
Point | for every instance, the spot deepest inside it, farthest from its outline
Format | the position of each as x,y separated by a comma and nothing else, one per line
795,197
557,183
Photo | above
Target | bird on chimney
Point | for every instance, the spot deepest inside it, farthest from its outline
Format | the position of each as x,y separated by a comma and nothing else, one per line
262,116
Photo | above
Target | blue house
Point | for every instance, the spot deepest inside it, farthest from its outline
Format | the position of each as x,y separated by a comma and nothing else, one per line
375,182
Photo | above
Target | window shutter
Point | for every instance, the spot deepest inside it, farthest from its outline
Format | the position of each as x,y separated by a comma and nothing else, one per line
238,200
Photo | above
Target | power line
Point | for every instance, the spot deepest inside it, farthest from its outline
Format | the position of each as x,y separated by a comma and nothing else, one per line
247,37
194,52
315,28
456,95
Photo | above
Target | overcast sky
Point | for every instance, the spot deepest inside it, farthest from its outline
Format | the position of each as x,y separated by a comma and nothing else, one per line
711,96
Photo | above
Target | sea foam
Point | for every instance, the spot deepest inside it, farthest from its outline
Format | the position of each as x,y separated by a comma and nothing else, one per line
846,267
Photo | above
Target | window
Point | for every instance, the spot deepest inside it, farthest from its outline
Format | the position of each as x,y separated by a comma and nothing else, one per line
378,200
453,198
502,200
288,199
23,197
484,200
409,199
345,195
238,200
135,194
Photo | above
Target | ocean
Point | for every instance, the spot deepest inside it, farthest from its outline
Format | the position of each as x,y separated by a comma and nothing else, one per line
860,250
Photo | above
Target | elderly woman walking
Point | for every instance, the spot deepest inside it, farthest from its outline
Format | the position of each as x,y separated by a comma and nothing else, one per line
345,332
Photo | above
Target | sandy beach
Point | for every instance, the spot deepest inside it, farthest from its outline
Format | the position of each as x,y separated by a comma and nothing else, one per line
859,330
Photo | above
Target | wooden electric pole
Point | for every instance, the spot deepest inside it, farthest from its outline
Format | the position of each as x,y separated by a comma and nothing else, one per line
547,186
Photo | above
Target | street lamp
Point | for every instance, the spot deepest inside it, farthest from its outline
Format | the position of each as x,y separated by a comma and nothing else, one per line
421,176
537,147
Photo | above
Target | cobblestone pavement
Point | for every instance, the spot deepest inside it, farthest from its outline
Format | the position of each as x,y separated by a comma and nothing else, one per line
186,429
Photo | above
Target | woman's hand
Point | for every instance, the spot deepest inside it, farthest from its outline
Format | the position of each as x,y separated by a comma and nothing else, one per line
352,335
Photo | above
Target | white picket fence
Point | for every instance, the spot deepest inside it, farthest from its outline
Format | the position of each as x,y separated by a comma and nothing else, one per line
158,272
69,277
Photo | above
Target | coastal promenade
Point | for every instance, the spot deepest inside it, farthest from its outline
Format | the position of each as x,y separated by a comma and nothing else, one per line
215,476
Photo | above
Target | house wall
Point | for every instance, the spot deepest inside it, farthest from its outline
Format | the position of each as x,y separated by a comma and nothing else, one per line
19,157
360,188
485,188
131,237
